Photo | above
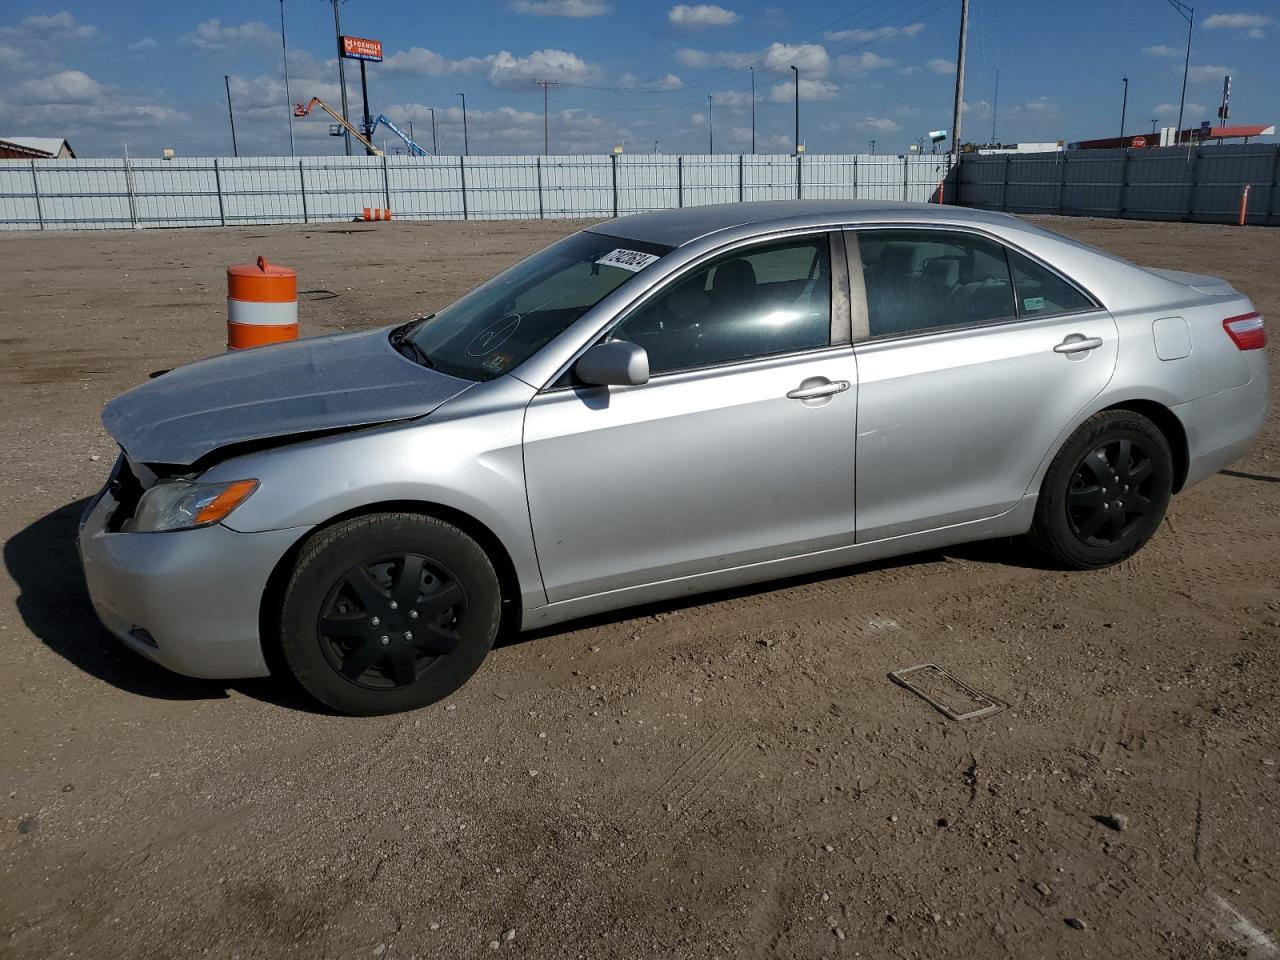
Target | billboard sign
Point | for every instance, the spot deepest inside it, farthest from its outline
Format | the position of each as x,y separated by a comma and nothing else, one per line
359,48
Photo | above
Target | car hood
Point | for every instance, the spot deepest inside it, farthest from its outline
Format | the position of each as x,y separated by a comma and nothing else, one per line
290,389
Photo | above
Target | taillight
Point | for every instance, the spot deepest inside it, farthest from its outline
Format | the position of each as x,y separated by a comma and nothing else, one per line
1246,331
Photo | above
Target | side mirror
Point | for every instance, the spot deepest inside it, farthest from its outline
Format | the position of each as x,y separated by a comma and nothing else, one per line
615,363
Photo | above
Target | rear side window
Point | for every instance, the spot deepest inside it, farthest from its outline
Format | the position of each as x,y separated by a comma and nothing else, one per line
1041,291
926,279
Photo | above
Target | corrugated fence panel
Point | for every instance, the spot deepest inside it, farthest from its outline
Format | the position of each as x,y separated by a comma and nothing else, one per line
222,191
769,177
19,202
1202,183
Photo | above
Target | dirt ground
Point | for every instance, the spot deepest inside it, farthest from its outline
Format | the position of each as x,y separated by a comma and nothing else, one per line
729,777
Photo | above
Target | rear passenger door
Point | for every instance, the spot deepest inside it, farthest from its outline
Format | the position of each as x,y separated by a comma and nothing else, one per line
972,358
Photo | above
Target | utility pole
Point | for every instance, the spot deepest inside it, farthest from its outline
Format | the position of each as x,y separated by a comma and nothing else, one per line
797,73
435,137
753,107
367,125
342,77
1189,14
546,85
288,100
955,115
235,152
995,108
711,126
873,148
655,146
1124,104
466,144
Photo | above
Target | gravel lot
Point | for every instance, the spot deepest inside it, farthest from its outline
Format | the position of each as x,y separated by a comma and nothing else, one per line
731,776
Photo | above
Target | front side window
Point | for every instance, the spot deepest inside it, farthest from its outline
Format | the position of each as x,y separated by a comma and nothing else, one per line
757,302
923,279
502,323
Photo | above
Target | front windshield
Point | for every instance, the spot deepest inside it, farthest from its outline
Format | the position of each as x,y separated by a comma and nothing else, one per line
502,323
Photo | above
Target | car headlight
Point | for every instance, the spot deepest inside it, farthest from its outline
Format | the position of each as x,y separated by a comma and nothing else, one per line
183,505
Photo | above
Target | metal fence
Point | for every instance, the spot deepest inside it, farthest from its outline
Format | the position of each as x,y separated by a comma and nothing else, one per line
114,193
1205,184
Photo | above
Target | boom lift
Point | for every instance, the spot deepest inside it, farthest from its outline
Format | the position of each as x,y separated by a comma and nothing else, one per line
300,110
383,119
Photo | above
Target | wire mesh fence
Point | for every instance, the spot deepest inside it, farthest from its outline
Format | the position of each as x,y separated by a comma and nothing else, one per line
222,191
1205,184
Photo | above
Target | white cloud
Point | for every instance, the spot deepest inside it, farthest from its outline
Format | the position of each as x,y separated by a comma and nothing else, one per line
698,119
66,86
810,58
509,72
507,130
1162,50
632,82
1202,73
1255,33
211,36
1170,111
863,62
1236,21
941,66
910,71
879,33
10,57
145,43
504,70
417,61
701,15
975,108
561,8
882,124
810,90
60,26
1040,105
733,99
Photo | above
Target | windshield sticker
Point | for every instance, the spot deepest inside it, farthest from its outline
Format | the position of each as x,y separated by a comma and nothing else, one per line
493,336
633,260
498,362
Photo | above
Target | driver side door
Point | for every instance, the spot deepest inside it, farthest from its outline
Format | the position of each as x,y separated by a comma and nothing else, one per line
739,449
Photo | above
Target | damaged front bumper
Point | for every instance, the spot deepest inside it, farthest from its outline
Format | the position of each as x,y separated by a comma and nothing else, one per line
190,599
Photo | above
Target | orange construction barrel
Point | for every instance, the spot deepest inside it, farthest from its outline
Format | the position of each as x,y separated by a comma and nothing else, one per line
262,304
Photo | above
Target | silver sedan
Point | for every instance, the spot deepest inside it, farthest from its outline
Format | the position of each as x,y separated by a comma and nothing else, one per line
658,406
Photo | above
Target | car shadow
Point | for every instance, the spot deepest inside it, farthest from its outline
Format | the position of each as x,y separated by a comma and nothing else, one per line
54,604
1006,551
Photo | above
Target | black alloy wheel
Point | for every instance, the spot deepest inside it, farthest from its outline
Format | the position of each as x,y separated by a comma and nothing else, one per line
1105,492
385,622
388,612
1110,492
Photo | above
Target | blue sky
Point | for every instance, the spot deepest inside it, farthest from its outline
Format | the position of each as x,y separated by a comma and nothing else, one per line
150,74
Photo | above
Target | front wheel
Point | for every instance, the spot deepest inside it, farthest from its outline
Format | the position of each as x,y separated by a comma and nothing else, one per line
388,612
1105,493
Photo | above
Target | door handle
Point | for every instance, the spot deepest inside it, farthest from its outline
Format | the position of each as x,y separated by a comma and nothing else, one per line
1077,343
815,390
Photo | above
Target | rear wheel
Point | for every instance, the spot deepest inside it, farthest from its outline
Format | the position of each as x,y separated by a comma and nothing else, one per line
1105,493
388,612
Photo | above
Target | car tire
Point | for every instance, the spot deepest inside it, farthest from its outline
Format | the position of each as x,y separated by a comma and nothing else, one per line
388,612
1105,493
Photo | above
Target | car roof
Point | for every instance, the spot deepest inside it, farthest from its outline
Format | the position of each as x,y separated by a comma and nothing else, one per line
680,225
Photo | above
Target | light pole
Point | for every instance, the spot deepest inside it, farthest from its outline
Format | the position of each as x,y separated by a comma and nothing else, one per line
873,147
753,108
546,138
466,145
956,112
288,100
235,151
342,78
796,70
711,126
435,138
1189,14
1124,103
1153,125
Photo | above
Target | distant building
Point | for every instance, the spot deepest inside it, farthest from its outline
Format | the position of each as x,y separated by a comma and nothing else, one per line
35,148
1053,146
1170,137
